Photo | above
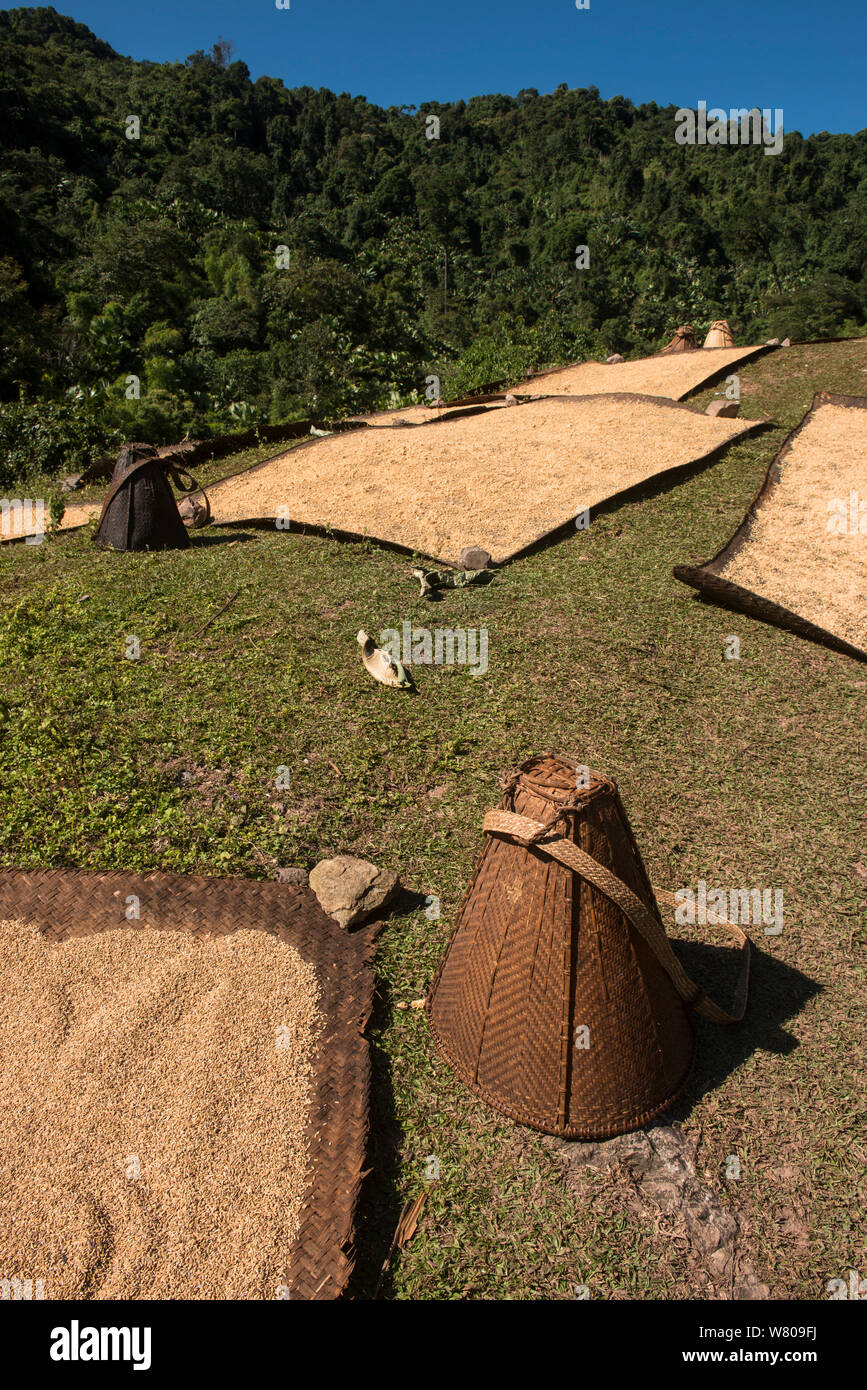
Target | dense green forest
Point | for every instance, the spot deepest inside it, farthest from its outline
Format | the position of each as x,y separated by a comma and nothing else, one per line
238,252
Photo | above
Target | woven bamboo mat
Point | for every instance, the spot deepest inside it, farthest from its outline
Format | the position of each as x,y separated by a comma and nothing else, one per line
426,414
502,479
66,902
783,565
675,376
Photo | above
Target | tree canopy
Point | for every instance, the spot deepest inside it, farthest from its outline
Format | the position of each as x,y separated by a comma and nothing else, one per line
244,250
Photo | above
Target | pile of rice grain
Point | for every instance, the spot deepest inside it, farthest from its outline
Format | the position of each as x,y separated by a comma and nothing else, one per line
673,376
419,414
499,480
791,556
155,1096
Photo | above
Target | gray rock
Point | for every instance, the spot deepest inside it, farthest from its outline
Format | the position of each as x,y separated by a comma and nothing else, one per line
71,484
615,357
474,558
787,342
194,514
300,876
728,409
772,342
350,889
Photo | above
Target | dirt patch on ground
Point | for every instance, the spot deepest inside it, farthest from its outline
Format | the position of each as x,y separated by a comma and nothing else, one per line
658,1168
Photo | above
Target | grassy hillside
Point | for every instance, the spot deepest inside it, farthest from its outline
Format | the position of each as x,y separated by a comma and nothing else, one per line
738,772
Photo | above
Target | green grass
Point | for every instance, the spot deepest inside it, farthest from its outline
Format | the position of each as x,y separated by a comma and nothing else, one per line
739,772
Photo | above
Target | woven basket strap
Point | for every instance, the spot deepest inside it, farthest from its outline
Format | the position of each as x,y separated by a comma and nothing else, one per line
178,475
529,831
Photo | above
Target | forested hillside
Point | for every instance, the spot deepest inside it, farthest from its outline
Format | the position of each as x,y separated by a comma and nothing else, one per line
259,254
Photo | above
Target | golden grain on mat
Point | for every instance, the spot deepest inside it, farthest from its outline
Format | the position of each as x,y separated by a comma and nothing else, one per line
80,512
151,1127
791,557
417,414
18,523
408,415
672,376
499,480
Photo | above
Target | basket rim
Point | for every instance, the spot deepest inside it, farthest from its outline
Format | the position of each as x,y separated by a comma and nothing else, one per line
621,1124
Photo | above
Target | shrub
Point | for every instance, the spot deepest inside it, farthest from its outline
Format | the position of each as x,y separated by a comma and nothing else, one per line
46,437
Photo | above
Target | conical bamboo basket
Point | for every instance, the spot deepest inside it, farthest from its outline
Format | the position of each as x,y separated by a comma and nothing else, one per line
139,511
719,335
683,341
559,999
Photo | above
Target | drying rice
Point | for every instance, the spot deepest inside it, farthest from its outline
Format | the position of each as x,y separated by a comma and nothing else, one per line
23,522
419,414
499,480
791,557
152,1115
325,498
673,376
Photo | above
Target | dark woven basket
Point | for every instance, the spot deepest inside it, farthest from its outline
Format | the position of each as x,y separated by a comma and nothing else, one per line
539,951
140,511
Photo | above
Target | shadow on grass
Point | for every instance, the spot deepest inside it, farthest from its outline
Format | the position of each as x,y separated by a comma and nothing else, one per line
380,1203
777,993
655,486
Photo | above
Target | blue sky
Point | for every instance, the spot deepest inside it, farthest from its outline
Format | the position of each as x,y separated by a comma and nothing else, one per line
807,57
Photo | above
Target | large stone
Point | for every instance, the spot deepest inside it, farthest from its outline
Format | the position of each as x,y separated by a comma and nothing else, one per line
474,558
728,409
351,890
615,357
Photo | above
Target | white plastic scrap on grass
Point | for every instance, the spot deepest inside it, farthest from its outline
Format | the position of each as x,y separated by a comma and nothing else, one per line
442,646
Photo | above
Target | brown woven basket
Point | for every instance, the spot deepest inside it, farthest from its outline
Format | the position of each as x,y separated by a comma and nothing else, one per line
719,335
683,341
559,999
